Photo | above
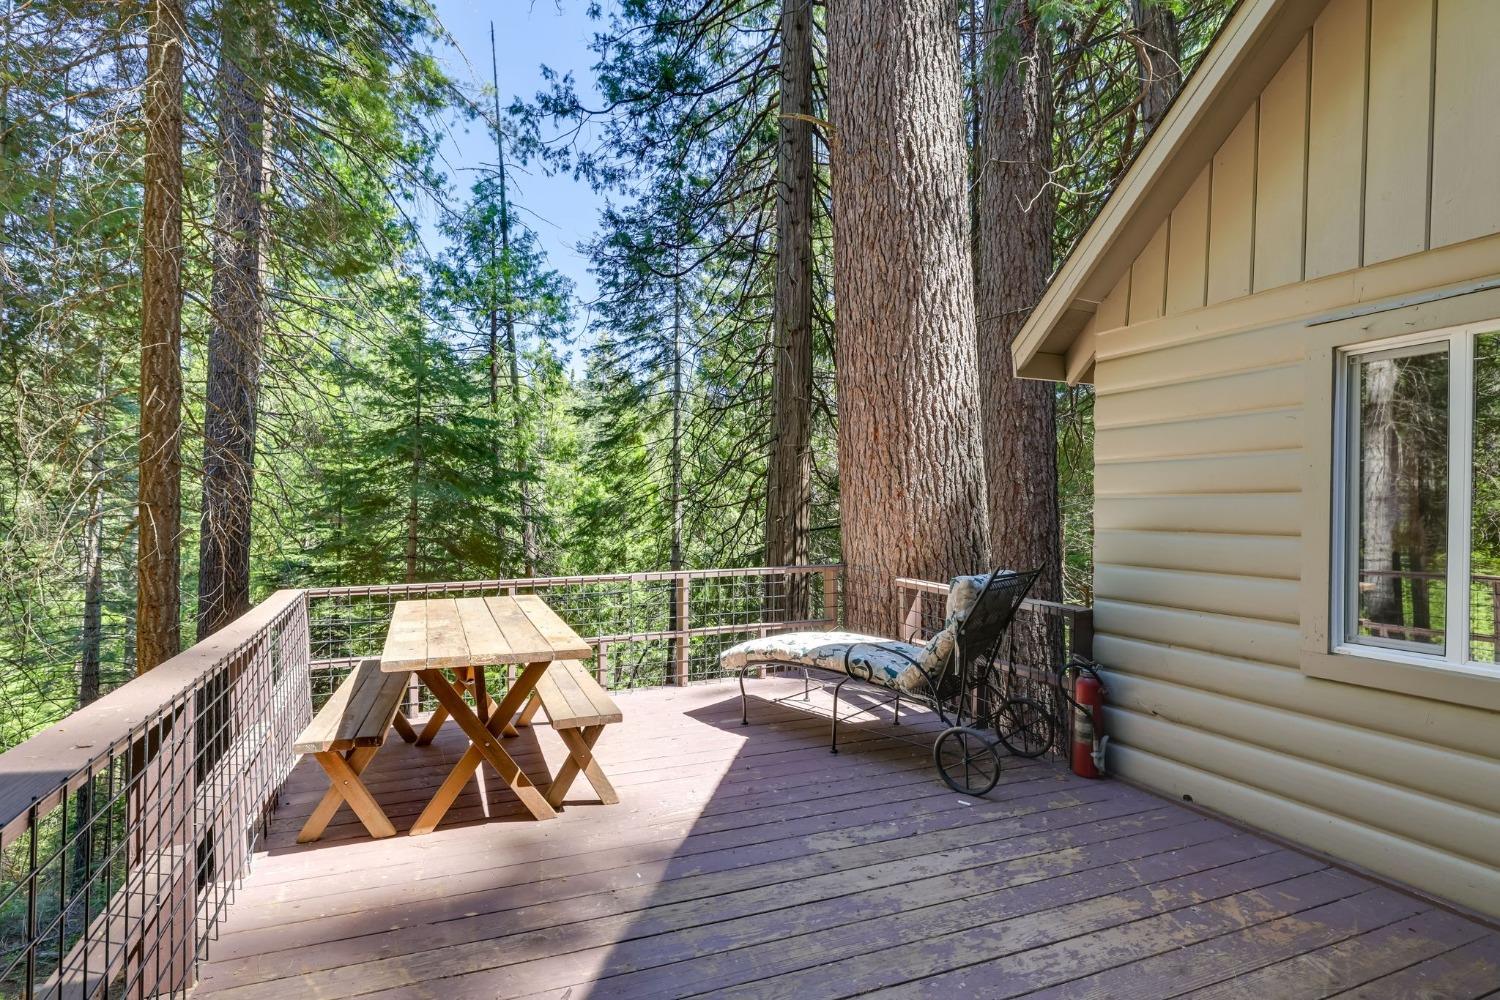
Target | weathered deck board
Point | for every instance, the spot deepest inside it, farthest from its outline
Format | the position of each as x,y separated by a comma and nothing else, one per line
748,861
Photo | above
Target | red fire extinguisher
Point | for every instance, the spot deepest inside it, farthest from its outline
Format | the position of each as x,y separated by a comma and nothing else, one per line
1088,725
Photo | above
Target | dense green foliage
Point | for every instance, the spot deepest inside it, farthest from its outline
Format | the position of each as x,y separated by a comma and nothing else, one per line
451,411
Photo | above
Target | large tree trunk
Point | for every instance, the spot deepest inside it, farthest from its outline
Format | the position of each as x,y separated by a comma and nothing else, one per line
91,656
234,352
675,556
789,475
1158,54
910,467
158,586
1013,258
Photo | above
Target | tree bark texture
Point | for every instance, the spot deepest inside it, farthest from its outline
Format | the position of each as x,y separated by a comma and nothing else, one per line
1159,54
92,638
910,466
234,354
1013,260
1380,498
789,479
158,585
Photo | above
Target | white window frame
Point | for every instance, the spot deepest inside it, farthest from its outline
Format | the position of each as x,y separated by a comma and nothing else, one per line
1455,652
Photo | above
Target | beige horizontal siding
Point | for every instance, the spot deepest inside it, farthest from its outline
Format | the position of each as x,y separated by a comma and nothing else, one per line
1254,639
1259,514
1463,778
1239,555
1460,830
1225,355
1251,472
1437,723
1449,875
1201,457
1216,593
1267,389
1269,430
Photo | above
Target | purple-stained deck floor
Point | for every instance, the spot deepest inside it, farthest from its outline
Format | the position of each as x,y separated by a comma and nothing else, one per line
751,862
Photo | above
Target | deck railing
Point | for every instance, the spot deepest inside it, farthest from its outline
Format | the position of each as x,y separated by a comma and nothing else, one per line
125,828
647,629
1419,585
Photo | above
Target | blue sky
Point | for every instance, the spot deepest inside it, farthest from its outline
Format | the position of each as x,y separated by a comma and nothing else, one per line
528,34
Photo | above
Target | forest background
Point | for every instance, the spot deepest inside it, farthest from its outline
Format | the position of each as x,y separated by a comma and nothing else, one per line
384,377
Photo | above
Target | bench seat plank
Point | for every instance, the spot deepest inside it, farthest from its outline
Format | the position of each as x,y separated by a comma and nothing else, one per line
344,736
359,714
579,708
573,699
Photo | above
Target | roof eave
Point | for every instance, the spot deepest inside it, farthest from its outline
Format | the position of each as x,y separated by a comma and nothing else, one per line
1250,47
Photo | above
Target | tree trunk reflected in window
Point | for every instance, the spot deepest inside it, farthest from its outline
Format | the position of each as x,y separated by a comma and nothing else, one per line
1484,587
1402,438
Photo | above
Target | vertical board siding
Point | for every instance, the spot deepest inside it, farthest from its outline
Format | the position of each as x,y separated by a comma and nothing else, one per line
1232,213
1281,174
1336,138
1148,278
1377,138
1187,264
1466,125
1114,310
1396,162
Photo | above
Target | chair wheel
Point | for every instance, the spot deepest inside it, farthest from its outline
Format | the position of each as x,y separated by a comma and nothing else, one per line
967,759
1025,727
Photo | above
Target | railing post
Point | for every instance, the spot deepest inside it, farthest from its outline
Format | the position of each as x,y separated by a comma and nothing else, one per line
831,597
601,663
680,642
911,627
1081,636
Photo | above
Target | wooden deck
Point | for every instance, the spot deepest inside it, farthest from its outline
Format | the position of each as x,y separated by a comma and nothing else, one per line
751,862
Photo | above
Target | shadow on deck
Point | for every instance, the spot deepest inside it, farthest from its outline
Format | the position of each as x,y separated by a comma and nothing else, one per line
751,862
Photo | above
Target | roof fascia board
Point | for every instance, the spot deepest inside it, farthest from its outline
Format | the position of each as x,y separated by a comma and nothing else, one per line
1251,46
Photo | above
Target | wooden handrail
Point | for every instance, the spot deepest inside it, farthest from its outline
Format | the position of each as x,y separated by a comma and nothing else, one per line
59,759
655,576
1031,603
909,613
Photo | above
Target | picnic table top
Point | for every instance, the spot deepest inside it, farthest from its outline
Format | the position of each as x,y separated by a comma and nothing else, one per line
446,632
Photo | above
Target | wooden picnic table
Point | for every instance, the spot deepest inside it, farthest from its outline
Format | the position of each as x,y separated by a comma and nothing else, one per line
465,635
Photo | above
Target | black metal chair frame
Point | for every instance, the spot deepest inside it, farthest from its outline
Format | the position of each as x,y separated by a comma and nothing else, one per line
983,629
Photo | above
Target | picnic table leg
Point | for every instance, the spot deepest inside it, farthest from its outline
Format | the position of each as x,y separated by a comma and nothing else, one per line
580,746
529,712
440,714
346,784
328,806
403,727
483,748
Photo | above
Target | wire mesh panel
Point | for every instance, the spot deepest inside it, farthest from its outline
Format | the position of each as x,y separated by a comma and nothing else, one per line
127,827
647,629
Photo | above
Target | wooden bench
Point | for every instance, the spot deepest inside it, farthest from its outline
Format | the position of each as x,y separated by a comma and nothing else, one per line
579,708
344,737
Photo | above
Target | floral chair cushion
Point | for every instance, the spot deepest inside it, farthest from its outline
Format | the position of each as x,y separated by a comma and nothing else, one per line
887,660
891,663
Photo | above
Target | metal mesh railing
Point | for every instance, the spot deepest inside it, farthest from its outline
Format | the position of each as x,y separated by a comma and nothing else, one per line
127,827
647,629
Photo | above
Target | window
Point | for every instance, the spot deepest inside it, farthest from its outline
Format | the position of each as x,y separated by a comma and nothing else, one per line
1417,527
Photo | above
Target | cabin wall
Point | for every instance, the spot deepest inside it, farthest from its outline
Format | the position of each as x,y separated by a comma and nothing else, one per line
1368,172
1363,148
